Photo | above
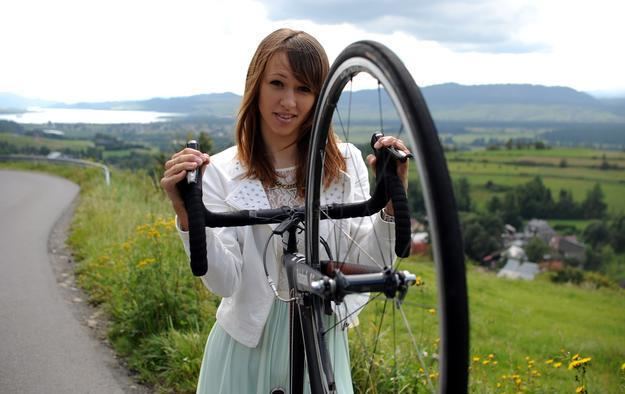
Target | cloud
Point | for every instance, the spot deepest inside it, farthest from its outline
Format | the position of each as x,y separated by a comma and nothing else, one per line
489,26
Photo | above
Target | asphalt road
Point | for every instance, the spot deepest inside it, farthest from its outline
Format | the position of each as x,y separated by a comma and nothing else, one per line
44,348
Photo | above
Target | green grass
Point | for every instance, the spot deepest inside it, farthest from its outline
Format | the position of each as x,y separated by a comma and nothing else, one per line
540,320
515,167
53,144
513,322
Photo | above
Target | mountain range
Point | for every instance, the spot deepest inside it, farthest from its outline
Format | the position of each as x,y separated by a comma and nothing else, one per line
450,102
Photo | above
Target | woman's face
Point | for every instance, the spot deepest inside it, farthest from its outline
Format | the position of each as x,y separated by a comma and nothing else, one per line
284,102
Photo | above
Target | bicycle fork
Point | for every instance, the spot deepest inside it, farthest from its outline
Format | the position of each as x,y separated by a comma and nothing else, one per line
307,342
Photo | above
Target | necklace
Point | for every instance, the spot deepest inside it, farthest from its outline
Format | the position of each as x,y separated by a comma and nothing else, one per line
280,185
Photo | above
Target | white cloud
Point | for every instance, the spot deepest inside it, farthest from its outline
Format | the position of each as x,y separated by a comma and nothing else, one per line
73,50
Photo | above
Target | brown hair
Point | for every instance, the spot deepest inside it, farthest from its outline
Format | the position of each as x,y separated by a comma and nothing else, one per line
310,65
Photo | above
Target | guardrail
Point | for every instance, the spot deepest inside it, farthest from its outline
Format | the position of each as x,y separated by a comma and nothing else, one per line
60,160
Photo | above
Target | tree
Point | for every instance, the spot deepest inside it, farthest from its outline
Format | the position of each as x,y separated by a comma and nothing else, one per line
596,234
534,199
462,193
494,205
510,212
481,235
416,201
566,207
593,206
535,249
604,163
617,233
206,142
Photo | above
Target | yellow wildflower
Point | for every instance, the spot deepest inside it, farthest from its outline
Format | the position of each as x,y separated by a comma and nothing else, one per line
476,359
434,375
575,357
580,390
142,228
432,311
145,262
557,365
153,233
486,362
623,367
550,361
419,281
495,362
579,362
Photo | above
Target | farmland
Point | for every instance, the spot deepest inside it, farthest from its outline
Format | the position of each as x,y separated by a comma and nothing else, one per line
573,169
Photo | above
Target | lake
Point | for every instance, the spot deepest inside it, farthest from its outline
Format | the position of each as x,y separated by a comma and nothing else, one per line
99,116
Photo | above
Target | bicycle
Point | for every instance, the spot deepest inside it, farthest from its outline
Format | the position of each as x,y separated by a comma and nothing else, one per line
320,281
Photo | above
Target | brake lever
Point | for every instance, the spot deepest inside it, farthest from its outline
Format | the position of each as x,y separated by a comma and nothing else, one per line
193,176
397,154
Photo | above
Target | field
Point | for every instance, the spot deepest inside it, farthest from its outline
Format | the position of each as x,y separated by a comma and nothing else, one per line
575,169
21,141
524,335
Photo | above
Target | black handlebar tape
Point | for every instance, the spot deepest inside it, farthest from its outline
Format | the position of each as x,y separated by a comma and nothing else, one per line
386,163
191,190
402,216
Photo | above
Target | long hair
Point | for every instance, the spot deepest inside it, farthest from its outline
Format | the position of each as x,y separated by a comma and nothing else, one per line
310,65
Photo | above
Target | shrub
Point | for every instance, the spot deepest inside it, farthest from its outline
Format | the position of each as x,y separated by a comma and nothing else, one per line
568,275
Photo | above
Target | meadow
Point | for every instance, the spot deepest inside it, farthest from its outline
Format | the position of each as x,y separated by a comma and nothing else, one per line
532,337
573,169
23,141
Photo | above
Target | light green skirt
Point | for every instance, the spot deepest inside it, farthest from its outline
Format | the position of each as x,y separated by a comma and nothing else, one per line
229,367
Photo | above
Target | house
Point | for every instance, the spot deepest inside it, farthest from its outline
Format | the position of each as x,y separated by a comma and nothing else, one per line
516,269
540,229
514,252
419,243
569,247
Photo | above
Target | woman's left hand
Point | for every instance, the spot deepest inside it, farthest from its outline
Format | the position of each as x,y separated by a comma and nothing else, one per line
402,168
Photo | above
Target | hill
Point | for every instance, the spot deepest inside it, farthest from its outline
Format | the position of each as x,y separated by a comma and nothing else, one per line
13,103
450,102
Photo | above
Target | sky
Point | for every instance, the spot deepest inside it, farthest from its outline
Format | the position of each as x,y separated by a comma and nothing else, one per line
104,50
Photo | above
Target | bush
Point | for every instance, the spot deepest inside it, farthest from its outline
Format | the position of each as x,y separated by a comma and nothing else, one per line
595,280
568,275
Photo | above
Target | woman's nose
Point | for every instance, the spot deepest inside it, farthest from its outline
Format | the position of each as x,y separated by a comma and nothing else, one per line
288,99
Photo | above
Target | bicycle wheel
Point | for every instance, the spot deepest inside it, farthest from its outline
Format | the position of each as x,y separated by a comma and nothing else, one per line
420,345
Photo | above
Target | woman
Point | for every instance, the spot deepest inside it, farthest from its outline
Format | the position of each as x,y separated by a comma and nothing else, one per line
247,349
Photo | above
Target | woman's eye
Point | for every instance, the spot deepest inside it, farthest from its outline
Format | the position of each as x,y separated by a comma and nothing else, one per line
304,89
276,82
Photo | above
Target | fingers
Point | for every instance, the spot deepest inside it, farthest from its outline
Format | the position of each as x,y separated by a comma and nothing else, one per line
402,167
371,161
187,155
389,140
176,169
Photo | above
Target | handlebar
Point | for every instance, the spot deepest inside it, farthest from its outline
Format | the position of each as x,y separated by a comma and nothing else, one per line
388,186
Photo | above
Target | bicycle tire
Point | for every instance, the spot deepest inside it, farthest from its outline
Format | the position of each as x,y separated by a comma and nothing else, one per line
420,136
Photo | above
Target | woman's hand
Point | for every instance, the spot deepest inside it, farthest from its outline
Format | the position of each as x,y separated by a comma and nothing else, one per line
175,170
402,168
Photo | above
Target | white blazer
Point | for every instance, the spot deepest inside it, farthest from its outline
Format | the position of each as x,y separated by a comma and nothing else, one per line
235,254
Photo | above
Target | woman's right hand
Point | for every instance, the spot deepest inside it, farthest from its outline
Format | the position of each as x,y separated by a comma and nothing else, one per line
175,170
